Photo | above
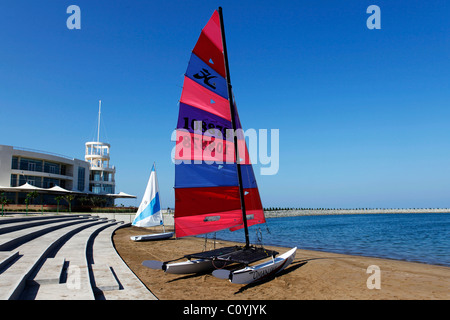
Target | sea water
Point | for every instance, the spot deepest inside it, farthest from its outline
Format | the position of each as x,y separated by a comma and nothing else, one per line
418,237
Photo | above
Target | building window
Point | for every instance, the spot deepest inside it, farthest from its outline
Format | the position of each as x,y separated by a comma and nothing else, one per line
52,167
15,163
30,165
34,181
49,182
108,188
14,180
96,188
81,178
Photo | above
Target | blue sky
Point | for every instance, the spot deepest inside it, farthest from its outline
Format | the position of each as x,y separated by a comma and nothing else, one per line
363,114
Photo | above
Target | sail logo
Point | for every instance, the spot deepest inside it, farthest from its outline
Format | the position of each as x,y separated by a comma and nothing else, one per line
205,75
216,146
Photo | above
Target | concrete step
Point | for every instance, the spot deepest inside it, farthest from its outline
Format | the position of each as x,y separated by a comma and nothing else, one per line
104,279
28,223
51,272
104,253
31,255
11,240
6,258
24,218
64,259
77,283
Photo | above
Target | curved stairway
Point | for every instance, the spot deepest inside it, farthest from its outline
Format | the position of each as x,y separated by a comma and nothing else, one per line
64,257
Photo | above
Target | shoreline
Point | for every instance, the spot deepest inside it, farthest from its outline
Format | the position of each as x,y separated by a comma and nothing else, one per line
344,253
320,212
313,275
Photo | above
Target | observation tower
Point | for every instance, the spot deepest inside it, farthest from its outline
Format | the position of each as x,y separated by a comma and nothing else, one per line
101,179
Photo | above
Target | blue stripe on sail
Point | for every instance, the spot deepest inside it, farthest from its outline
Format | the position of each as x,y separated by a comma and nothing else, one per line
204,75
153,207
212,175
248,176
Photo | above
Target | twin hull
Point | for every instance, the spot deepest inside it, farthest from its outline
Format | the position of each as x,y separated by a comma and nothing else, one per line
245,275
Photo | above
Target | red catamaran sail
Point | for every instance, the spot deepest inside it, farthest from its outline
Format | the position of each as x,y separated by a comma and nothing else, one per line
214,189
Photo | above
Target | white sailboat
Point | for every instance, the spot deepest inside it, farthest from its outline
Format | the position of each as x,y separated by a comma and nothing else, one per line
149,212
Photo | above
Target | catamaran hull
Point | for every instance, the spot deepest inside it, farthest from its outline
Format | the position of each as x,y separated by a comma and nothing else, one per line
153,236
185,267
258,272
193,266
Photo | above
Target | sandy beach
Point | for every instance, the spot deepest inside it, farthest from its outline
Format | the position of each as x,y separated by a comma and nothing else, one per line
312,276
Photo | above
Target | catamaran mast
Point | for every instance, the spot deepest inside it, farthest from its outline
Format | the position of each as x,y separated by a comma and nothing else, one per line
162,217
233,123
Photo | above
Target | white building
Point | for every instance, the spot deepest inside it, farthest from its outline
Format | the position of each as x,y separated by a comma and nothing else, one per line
93,176
42,169
90,177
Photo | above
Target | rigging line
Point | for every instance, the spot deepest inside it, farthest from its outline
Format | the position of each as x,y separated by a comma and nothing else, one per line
206,240
259,237
267,228
93,131
104,129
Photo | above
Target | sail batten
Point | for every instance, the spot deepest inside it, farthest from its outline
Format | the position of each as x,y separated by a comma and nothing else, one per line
212,186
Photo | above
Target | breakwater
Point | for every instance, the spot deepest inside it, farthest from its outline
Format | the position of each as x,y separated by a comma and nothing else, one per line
169,219
316,212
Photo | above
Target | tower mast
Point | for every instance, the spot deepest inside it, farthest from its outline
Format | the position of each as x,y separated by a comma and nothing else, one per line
99,112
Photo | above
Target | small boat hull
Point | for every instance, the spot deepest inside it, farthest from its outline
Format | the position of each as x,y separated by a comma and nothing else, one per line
258,272
185,267
153,236
193,266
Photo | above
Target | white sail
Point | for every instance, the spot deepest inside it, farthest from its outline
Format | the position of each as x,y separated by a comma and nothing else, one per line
149,213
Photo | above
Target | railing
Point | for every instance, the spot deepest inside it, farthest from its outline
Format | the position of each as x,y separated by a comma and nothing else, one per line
44,152
93,166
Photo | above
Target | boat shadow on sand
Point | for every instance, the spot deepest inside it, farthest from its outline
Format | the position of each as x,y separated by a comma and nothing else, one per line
293,266
296,264
190,276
